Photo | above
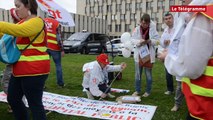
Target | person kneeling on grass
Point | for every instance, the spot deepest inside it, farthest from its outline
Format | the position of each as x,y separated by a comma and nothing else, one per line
96,76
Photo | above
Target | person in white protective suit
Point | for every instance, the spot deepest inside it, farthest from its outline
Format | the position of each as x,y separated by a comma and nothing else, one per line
96,76
192,58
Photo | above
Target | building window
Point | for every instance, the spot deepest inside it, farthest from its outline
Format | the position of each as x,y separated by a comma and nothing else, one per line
130,6
98,20
79,21
171,2
156,19
110,28
105,17
88,1
113,18
85,11
136,24
132,16
153,16
152,4
127,28
160,5
116,17
141,6
148,5
117,28
118,8
109,8
137,6
159,27
127,6
135,17
100,9
122,17
91,9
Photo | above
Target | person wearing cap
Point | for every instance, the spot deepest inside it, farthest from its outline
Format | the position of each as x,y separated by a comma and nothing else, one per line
14,15
55,46
96,76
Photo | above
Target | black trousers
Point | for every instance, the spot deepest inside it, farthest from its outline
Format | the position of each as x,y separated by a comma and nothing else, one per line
32,88
103,87
169,81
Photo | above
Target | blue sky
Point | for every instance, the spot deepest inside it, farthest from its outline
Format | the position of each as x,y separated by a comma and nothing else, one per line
69,5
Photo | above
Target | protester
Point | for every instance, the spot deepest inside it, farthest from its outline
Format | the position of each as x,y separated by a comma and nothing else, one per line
31,70
96,76
164,42
195,64
178,95
8,69
148,37
55,46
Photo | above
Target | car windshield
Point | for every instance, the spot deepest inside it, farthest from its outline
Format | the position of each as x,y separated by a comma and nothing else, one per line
78,36
114,41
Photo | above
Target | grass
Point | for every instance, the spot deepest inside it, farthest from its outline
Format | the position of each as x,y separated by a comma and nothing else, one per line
72,71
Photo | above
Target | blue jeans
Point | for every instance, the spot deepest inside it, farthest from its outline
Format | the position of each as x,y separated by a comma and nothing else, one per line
56,55
169,81
138,77
32,88
178,94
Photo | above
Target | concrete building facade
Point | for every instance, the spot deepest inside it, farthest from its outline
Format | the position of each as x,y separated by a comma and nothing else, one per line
82,22
80,7
124,15
112,17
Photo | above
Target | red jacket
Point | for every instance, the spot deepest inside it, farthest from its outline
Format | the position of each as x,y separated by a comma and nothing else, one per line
52,26
34,60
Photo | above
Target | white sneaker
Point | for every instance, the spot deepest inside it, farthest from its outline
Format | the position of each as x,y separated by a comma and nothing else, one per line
110,95
89,95
145,94
168,92
175,108
135,93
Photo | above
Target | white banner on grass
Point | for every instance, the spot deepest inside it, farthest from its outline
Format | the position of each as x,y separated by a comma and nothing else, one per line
62,15
93,108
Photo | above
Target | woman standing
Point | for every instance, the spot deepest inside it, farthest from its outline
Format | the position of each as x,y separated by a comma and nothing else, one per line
31,70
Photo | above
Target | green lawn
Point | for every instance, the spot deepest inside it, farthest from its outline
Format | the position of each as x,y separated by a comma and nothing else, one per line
72,71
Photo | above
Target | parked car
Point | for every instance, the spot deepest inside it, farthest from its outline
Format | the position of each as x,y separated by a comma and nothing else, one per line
121,47
86,42
114,45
